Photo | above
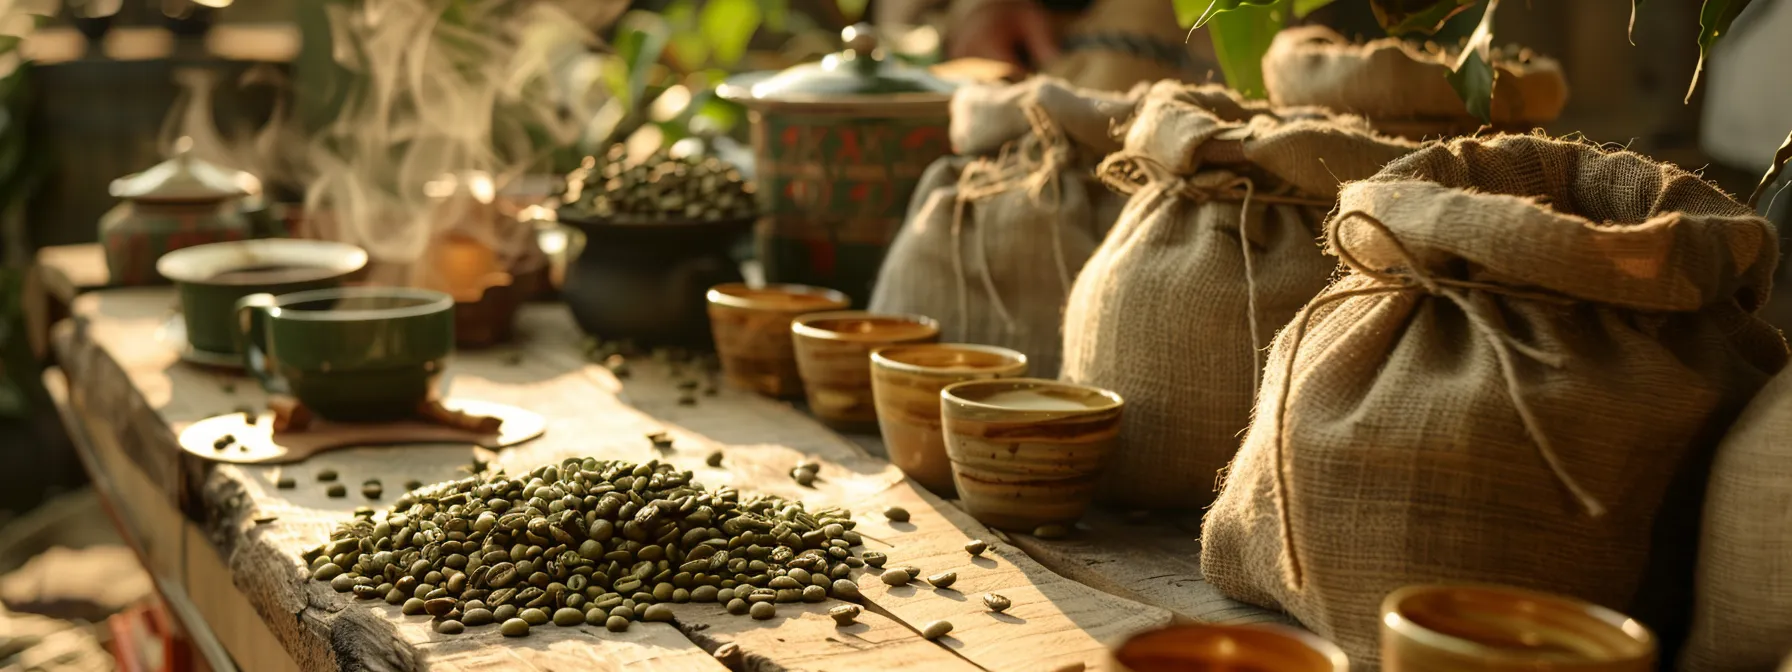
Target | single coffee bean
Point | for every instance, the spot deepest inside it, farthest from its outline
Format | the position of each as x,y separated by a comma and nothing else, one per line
477,616
996,603
533,616
936,629
803,478
657,613
846,589
976,547
567,617
286,483
504,612
413,607
515,627
896,514
704,593
763,611
815,594
337,491
943,579
616,624
896,577
728,654
328,571
372,490
845,614
450,627
1051,531
714,459
874,558
439,606
326,475
737,606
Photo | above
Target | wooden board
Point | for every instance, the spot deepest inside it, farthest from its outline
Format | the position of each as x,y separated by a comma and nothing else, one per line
149,396
51,284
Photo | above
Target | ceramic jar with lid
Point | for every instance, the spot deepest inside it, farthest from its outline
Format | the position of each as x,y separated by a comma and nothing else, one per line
178,203
839,146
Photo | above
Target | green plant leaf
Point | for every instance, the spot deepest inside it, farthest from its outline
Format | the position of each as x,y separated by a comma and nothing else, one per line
729,25
1196,13
1635,6
777,14
1473,75
1408,17
1241,35
688,46
1715,17
1780,158
851,10
641,38
1304,7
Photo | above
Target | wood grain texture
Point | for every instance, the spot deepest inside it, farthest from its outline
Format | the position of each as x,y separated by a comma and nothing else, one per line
148,396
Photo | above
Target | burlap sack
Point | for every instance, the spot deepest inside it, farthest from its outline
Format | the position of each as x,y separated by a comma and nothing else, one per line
1742,616
1520,381
1401,87
1174,307
995,236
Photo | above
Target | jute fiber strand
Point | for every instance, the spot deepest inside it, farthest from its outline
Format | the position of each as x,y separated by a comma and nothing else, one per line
995,236
1742,616
1400,87
1174,308
1520,381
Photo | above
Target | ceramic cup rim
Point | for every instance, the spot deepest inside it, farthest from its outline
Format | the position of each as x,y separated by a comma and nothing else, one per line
1393,619
1015,359
950,394
801,325
1317,644
431,302
720,296
185,266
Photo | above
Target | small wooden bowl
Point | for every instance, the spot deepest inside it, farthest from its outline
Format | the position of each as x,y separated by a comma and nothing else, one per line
1467,628
1260,647
833,354
905,384
1026,452
751,326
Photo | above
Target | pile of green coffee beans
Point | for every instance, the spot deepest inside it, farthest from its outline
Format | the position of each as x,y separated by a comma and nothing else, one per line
589,541
660,187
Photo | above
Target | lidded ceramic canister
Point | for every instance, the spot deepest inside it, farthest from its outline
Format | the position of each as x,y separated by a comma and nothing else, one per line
178,203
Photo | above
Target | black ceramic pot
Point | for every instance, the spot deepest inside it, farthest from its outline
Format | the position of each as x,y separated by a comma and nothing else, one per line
648,281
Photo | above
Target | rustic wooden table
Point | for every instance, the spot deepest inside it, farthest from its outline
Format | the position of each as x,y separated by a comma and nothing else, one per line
223,539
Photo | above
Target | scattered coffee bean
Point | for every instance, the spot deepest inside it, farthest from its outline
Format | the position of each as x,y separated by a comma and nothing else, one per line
336,490
326,475
450,627
657,613
286,483
976,547
567,617
763,611
845,589
803,477
413,484
943,579
616,624
515,627
896,514
737,606
845,614
936,629
372,490
728,654
896,577
874,558
995,602
714,459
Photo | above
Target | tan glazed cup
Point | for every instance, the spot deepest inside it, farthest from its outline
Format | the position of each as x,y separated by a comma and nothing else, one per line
1026,451
1259,647
1468,628
752,331
905,384
833,354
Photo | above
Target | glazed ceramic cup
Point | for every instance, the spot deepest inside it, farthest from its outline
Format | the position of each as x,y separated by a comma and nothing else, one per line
352,354
1026,452
1500,629
1258,647
905,384
833,355
752,331
211,278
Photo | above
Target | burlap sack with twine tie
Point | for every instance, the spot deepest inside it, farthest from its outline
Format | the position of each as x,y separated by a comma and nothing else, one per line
995,236
1401,88
1520,381
1742,615
1175,307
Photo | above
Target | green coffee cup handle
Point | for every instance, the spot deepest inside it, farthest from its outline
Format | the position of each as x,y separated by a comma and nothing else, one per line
252,335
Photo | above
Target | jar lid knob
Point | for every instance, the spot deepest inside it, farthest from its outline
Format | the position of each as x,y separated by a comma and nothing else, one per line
860,38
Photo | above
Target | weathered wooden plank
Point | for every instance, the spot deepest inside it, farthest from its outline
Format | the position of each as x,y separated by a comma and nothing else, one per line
1056,621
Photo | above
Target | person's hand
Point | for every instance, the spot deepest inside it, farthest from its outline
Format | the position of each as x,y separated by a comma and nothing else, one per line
1017,32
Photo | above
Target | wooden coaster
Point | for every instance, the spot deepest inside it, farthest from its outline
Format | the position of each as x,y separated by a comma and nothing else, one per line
258,443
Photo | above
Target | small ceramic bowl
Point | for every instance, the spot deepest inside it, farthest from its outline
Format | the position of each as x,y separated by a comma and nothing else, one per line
211,278
1468,628
752,331
1211,646
905,384
833,355
1027,452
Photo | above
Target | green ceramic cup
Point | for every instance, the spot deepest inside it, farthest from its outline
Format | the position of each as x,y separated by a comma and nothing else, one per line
212,278
352,354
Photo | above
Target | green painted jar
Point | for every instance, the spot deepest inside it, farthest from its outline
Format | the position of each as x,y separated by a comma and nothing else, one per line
178,203
839,146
